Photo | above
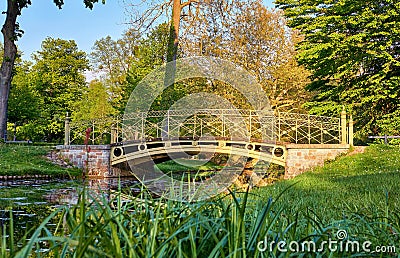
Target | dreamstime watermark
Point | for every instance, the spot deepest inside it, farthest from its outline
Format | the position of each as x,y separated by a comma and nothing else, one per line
341,245
142,122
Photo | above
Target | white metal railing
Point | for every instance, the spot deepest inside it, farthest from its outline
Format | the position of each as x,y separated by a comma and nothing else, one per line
236,123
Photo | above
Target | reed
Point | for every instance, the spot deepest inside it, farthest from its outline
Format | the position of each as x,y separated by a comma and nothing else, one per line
347,195
232,225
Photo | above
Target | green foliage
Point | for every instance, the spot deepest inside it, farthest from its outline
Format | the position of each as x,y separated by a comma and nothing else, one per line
44,91
256,38
114,59
88,3
95,103
145,53
233,225
390,123
352,49
150,55
59,67
24,100
11,32
128,60
267,52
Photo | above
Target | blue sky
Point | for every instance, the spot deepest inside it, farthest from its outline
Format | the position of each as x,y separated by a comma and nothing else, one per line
43,19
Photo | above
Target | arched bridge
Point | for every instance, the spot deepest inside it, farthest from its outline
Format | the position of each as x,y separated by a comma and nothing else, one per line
296,141
160,150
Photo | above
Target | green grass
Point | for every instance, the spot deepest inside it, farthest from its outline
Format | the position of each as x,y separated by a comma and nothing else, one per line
184,169
366,183
359,194
185,165
20,160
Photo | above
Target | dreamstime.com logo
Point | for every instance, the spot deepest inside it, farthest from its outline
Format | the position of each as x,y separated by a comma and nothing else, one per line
341,245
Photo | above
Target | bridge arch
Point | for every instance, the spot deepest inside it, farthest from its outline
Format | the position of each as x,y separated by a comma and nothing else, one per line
139,152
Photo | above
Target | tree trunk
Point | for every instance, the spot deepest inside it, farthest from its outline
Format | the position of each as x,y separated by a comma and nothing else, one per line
10,52
172,47
172,52
174,31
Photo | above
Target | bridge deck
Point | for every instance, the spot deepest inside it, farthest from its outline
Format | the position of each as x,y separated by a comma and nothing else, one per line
140,151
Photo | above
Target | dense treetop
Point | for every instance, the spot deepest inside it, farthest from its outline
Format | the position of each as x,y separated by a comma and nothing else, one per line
343,52
353,50
11,32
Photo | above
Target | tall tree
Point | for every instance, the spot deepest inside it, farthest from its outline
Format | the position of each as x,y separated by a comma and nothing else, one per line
11,32
151,53
244,32
125,61
59,68
250,35
113,60
353,50
156,10
25,101
95,103
114,57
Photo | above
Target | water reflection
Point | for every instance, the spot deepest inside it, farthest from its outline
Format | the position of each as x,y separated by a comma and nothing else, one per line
30,201
96,187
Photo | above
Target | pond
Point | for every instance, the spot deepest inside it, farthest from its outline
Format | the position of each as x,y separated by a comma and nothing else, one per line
30,201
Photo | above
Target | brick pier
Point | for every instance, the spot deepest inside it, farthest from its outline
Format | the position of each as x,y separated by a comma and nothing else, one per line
97,158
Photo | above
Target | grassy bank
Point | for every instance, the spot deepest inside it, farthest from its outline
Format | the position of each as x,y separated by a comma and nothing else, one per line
19,160
366,183
356,195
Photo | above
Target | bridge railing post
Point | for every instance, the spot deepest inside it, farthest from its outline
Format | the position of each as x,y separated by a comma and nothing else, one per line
309,129
201,127
114,134
194,125
279,126
143,123
67,129
322,133
351,130
168,121
93,133
250,121
343,124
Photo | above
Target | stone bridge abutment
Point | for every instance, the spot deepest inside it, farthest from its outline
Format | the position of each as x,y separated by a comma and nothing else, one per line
303,157
93,159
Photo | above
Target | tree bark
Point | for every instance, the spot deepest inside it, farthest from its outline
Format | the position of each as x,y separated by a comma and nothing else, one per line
6,71
172,48
174,31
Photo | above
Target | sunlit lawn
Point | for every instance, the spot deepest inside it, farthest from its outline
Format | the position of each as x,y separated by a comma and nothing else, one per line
29,160
364,183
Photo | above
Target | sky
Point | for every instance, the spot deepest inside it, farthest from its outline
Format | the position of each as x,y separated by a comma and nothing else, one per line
43,19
